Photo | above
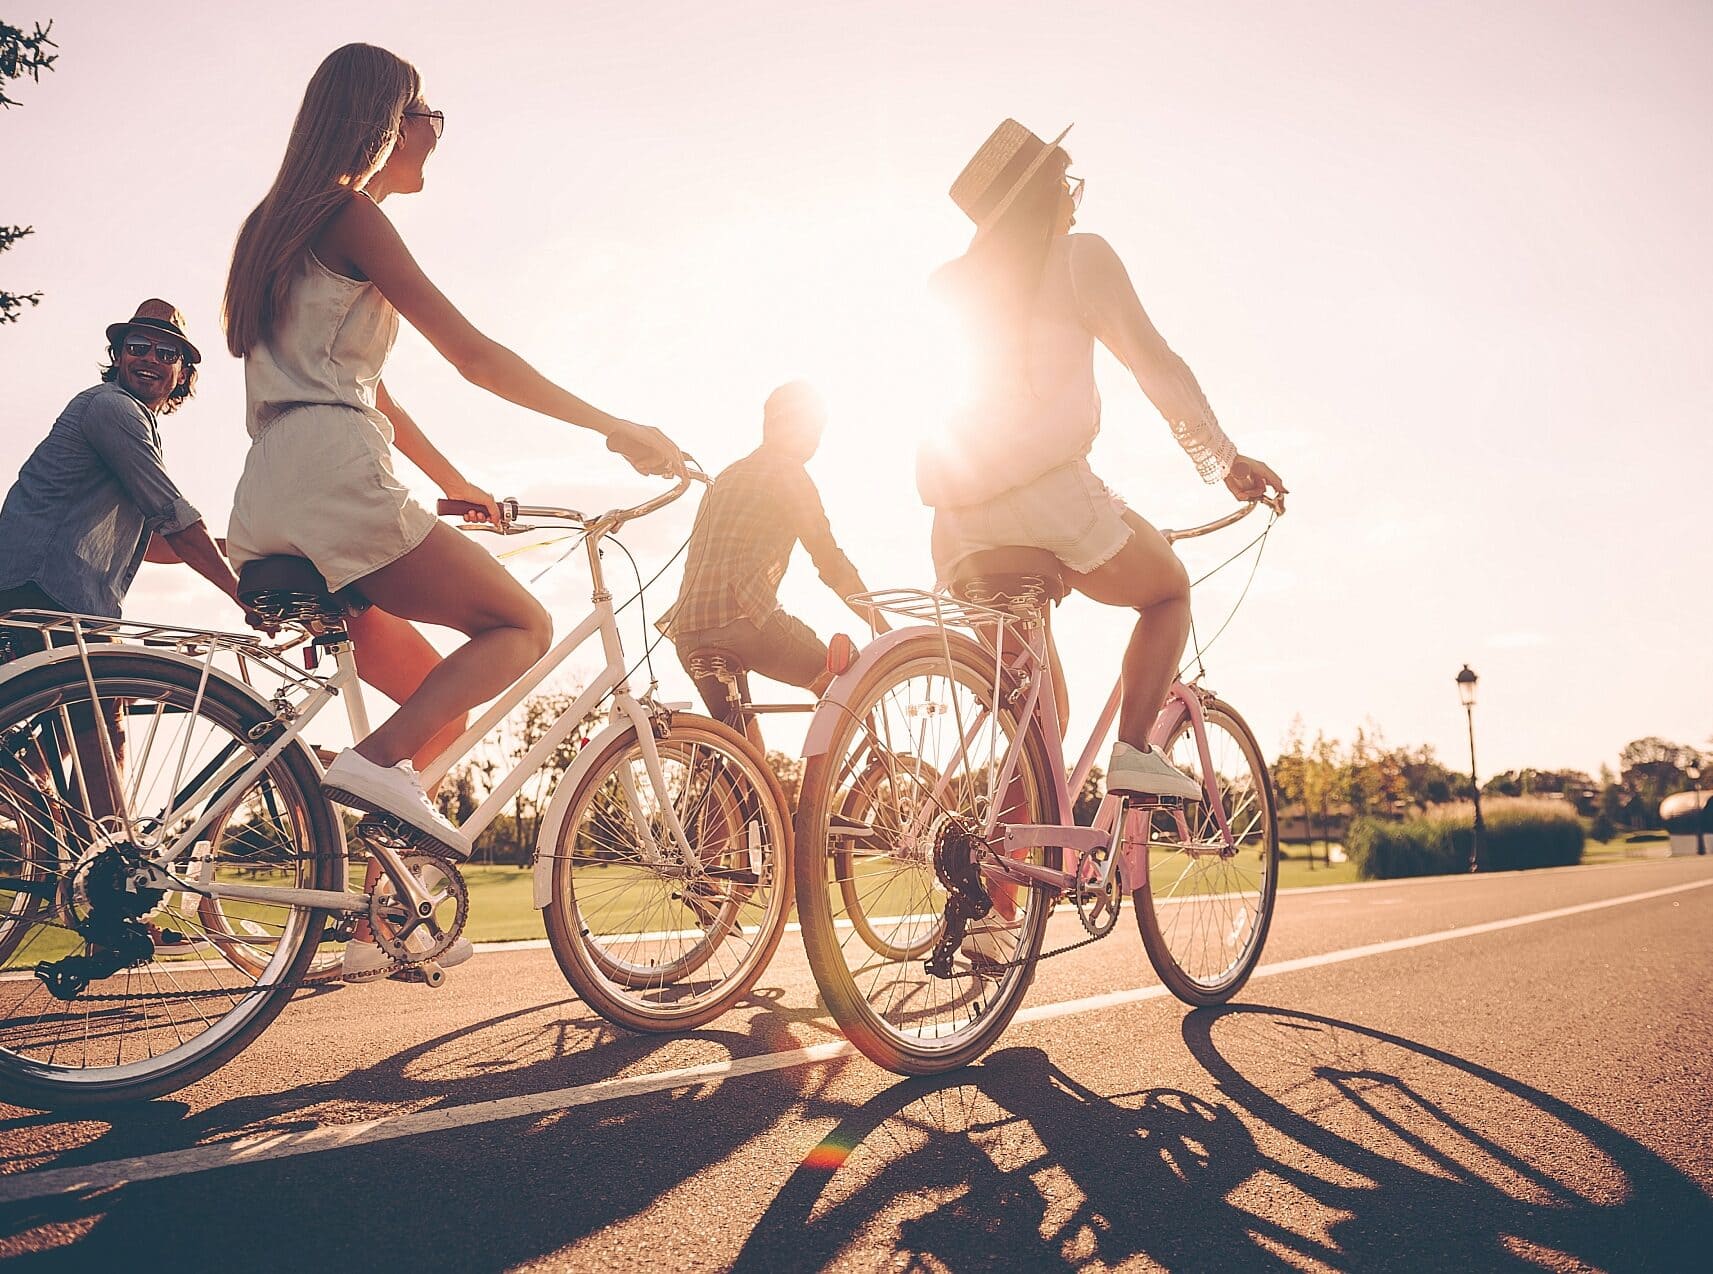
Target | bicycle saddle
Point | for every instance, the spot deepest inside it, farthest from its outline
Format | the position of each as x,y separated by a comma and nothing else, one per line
1016,573
715,663
290,588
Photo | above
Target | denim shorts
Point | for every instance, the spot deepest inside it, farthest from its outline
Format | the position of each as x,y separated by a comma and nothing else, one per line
1067,511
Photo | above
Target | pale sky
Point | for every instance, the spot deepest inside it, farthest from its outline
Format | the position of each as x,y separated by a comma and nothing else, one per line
1445,267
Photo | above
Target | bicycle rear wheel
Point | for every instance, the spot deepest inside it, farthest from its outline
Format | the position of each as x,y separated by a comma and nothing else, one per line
649,942
1204,910
908,721
170,1013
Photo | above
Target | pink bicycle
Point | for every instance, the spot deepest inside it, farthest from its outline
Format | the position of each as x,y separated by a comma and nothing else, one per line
934,837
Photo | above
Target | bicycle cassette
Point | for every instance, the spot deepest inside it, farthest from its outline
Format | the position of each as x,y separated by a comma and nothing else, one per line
410,938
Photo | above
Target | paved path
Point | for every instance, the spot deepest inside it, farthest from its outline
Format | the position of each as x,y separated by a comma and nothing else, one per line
1457,1073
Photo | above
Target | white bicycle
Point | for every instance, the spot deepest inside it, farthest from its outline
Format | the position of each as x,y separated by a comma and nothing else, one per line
141,950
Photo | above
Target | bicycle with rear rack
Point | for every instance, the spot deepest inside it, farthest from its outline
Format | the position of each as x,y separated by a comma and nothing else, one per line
663,865
934,837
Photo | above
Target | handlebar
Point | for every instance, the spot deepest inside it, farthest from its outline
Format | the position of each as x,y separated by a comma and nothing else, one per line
1273,502
511,511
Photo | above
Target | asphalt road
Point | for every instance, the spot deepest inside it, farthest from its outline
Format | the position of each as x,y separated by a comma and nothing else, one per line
1493,1072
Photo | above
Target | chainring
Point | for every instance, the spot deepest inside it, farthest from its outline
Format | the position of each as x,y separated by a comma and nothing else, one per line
410,939
1096,907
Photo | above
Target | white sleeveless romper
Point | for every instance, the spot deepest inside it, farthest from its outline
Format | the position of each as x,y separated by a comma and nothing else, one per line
318,481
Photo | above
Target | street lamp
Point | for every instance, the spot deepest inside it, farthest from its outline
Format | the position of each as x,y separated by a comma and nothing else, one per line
1694,773
1466,692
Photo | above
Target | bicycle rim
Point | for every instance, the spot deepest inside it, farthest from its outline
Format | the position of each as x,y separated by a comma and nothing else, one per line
186,1008
909,717
1204,913
650,942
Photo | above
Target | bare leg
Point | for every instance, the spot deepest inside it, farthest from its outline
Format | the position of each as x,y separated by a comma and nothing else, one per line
394,658
1145,574
449,581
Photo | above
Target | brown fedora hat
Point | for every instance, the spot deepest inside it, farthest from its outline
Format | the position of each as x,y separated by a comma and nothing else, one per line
999,171
159,316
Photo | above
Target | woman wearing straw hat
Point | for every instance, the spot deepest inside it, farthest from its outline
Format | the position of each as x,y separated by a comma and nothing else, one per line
1013,469
318,282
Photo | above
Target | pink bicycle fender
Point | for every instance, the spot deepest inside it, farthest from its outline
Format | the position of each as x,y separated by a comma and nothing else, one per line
836,701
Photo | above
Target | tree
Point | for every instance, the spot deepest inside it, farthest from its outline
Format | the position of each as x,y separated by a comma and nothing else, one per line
789,771
1651,769
1088,800
21,55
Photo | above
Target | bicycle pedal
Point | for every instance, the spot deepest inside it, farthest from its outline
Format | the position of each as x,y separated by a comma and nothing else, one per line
428,973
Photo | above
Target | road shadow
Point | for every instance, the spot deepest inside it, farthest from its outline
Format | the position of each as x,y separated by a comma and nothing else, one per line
1399,1155
488,1196
1013,1164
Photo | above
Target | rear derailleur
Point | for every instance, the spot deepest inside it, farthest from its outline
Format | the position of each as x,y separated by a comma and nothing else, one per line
105,902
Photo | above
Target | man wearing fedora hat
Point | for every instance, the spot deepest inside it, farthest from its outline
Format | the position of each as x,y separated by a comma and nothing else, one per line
94,499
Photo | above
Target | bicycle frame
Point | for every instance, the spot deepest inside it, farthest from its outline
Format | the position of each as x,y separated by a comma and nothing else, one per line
302,696
1113,829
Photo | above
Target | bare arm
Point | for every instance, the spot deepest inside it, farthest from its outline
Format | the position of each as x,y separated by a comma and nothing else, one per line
409,438
161,552
196,549
362,235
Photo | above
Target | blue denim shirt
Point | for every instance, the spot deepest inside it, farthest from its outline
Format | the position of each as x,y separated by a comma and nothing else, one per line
77,521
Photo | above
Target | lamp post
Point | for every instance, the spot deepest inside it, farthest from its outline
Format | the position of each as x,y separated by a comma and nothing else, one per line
1694,773
1466,692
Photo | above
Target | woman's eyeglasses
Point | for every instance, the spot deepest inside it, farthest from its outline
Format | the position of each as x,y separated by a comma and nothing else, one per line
1074,188
436,120
168,354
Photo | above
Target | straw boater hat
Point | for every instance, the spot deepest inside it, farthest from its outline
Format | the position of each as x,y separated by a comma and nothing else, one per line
999,172
158,316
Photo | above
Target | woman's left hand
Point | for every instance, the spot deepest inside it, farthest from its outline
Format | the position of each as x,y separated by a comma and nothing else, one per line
470,493
1249,480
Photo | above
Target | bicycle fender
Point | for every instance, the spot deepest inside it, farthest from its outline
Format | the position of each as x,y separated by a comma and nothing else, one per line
542,868
837,699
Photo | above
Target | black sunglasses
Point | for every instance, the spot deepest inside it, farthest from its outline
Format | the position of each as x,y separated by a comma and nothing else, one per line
436,120
168,354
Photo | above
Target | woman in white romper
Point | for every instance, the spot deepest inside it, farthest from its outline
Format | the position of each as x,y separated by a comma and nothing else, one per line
1012,469
318,281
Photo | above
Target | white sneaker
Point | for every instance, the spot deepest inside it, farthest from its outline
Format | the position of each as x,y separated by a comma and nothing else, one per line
356,781
991,943
366,962
1144,772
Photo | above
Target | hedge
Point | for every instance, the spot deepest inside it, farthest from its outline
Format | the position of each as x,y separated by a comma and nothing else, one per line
1520,833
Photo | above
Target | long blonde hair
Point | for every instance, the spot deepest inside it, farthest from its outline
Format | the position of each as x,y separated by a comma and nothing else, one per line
343,133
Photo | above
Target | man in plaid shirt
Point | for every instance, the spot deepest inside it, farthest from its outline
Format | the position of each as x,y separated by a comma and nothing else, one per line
757,510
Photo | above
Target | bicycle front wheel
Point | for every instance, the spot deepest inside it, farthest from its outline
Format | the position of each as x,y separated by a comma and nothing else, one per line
174,1007
918,747
650,941
1205,908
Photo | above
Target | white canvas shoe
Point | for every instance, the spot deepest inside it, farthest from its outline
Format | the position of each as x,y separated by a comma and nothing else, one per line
366,962
358,782
1144,772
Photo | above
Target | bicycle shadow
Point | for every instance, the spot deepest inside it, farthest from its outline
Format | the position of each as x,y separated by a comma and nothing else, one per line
1421,1158
1014,1164
487,1196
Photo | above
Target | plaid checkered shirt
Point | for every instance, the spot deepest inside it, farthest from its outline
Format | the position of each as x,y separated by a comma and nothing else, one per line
757,510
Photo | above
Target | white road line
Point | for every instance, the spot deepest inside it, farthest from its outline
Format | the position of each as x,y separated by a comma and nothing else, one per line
43,1183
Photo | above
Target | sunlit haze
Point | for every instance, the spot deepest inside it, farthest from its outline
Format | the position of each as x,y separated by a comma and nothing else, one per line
1445,267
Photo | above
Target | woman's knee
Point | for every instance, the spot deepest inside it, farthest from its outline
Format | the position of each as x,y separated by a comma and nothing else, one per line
536,624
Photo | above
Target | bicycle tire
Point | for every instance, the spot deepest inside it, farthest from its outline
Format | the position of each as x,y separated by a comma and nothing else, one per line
1221,907
33,1023
644,949
973,1009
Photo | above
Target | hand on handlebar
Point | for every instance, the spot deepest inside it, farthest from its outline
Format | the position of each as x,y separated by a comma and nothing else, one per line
1249,479
482,505
648,450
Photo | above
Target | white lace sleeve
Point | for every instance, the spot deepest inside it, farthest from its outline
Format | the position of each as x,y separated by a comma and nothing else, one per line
1113,313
